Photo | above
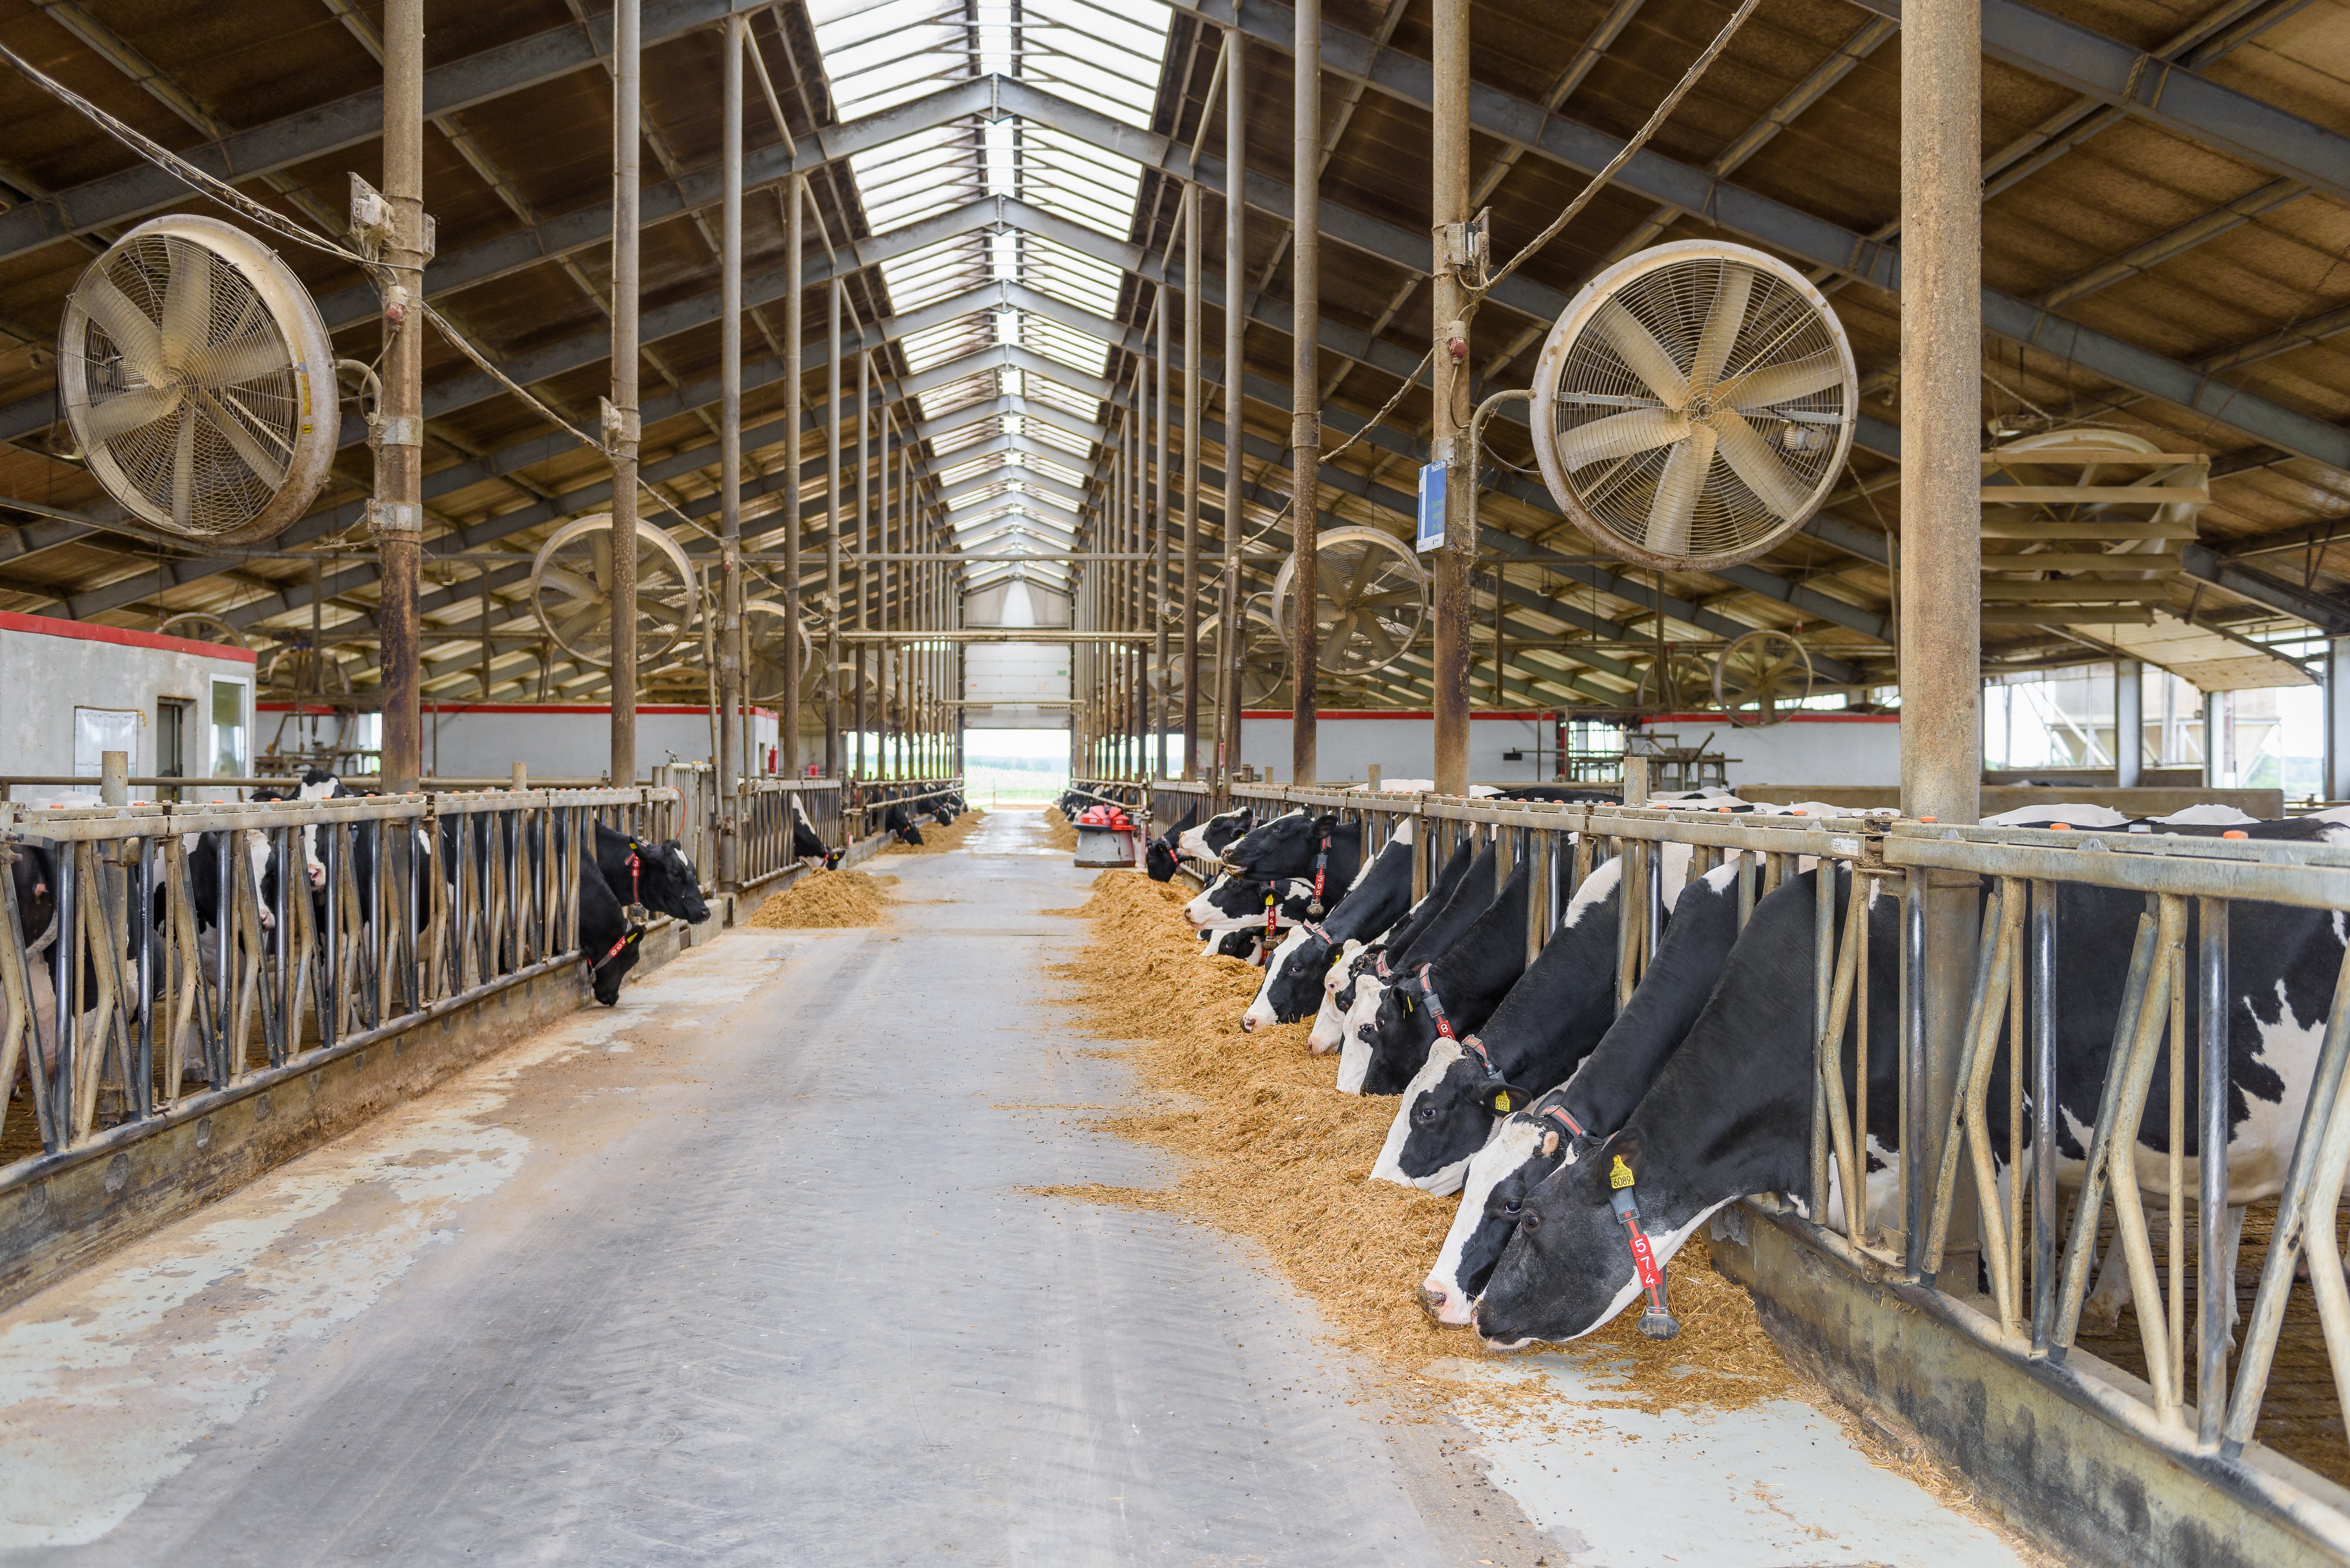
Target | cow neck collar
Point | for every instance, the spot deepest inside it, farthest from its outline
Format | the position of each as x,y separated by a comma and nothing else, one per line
632,934
1656,1322
1444,1025
636,876
1321,868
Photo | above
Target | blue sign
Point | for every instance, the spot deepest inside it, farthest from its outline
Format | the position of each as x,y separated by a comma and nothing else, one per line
1431,506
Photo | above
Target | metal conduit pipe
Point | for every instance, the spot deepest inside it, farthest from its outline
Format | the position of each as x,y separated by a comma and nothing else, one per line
620,424
1228,639
1454,563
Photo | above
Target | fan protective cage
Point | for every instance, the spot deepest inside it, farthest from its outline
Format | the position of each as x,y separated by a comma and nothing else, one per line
197,376
1693,405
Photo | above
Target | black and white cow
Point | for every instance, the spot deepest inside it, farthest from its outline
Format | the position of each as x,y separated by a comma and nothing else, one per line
1321,847
1294,977
1160,860
1730,1114
1451,995
1210,839
1470,898
657,877
805,844
1550,1021
1232,902
1601,1094
1372,960
898,821
609,942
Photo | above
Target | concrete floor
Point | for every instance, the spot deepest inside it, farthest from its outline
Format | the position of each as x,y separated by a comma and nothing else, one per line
744,1271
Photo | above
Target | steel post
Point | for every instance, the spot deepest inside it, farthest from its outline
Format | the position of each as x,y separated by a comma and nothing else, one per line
787,726
1228,610
730,453
864,490
1306,382
1193,414
1449,193
1940,570
628,157
2129,723
2337,718
399,521
1160,518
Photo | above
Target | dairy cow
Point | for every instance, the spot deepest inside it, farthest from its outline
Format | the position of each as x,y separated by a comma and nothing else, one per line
1470,898
643,874
1293,984
1451,995
1211,838
1235,903
1354,964
1160,858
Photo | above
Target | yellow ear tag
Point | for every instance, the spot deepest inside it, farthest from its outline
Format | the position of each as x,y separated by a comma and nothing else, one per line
1619,1174
1502,1103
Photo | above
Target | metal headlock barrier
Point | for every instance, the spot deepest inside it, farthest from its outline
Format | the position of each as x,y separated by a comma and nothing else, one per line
2038,1271
169,965
872,797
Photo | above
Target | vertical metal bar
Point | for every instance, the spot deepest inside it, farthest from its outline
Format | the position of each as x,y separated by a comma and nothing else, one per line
1227,637
2044,1114
1823,1062
1305,379
1161,516
398,523
2216,1287
628,152
1913,1075
858,763
65,957
836,427
1192,415
142,908
730,448
1449,200
787,723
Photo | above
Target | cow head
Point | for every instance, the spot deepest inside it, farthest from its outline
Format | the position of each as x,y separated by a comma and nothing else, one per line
1569,1268
1447,1114
1400,1032
666,881
1281,847
806,845
900,824
1520,1157
607,975
1208,840
1159,860
1292,980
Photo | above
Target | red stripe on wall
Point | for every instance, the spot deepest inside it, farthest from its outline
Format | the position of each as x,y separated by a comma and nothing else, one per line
123,637
1525,715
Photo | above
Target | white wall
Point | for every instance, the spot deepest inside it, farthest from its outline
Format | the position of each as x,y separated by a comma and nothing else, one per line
49,668
1403,744
1809,748
484,740
1025,684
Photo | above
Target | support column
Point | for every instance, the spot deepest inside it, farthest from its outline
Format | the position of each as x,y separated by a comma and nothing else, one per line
399,518
1448,181
1306,383
864,490
2336,784
1191,416
628,157
1159,520
787,726
836,427
730,456
1941,594
1228,610
2129,723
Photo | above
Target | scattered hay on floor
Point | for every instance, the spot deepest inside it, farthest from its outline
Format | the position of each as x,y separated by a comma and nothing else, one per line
937,840
1059,832
1272,1151
826,901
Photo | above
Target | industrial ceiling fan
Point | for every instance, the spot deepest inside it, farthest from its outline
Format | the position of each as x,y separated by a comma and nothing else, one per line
1693,405
571,590
196,374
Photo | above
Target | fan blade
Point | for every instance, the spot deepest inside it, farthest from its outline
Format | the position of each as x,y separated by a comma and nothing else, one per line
1785,383
246,358
1620,435
600,552
1751,459
1722,325
573,585
670,614
1395,599
126,412
563,621
1677,493
187,303
1639,349
133,333
1382,641
262,463
183,471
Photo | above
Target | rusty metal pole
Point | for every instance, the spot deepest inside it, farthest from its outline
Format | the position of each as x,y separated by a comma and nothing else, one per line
1228,641
1941,594
1191,415
788,725
864,490
730,451
621,429
1448,182
397,519
1305,384
836,427
1159,520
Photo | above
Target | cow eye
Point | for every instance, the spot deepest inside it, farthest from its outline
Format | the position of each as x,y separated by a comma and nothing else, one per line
1423,1114
1510,1208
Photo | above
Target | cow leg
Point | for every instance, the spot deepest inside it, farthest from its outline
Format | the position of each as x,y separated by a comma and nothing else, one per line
2112,1290
2235,1240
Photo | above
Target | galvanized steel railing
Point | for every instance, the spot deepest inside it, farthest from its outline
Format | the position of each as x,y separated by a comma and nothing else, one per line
204,974
873,797
2038,1277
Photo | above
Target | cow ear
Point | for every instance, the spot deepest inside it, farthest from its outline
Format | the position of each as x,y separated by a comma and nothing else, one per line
1626,1150
1550,1143
1504,1098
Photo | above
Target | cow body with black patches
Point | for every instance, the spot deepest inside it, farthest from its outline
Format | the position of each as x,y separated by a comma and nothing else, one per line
609,942
1232,902
1427,939
1601,1093
805,844
34,880
1553,1017
1294,977
1451,994
1211,838
1329,851
1730,1114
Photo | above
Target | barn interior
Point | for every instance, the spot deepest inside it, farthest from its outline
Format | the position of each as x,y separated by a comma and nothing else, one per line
1212,383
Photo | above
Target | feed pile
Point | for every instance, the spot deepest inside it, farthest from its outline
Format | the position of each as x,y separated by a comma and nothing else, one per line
937,840
1272,1151
1059,831
826,901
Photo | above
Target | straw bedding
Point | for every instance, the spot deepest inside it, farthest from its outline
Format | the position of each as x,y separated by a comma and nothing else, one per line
1272,1151
826,901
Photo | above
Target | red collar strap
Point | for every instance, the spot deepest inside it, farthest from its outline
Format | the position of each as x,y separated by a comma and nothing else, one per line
1272,909
1657,1322
1435,1011
631,934
1379,963
1321,868
1558,1114
636,875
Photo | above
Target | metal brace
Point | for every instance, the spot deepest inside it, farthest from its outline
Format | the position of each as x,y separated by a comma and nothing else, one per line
618,424
398,519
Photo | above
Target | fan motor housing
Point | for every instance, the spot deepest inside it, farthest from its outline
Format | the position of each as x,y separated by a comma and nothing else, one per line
300,430
1669,293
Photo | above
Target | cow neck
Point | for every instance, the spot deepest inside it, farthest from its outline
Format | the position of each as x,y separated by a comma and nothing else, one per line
1272,909
1658,1322
1314,906
1444,1025
632,934
636,876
